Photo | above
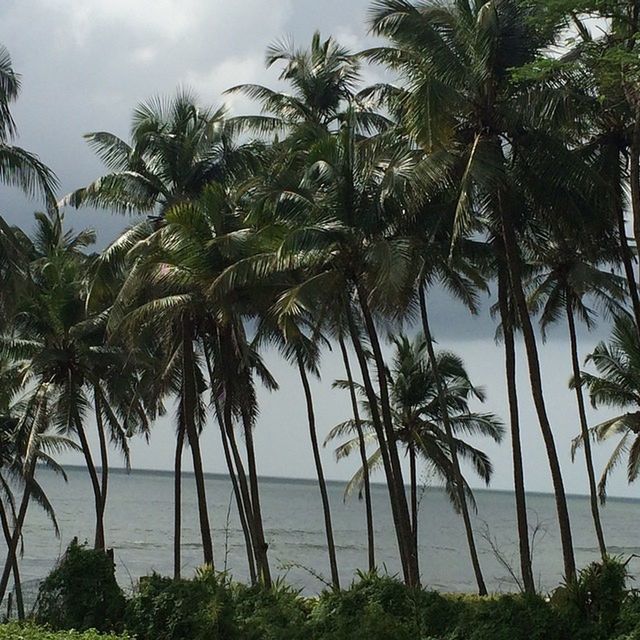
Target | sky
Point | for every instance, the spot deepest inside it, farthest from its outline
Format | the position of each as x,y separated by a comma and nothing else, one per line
85,64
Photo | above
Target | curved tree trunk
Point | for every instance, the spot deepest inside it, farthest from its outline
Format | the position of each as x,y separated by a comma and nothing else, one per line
6,530
506,317
12,550
371,550
515,275
584,429
404,518
238,478
261,544
99,542
242,477
458,479
177,504
189,408
326,509
401,532
104,453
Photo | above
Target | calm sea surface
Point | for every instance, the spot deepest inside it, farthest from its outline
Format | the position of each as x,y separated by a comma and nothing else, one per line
140,518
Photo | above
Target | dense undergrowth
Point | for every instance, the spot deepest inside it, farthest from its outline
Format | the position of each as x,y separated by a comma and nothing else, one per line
81,594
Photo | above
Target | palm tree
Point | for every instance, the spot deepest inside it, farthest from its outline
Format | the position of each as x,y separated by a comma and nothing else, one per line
574,272
420,423
18,167
63,347
617,385
464,109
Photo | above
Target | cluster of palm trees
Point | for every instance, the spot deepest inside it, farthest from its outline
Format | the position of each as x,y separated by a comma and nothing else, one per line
494,162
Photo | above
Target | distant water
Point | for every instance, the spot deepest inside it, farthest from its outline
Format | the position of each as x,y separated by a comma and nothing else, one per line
139,525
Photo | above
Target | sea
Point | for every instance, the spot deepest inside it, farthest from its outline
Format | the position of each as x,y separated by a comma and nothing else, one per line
139,529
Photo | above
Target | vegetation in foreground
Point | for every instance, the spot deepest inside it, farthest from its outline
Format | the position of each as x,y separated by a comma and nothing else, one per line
81,595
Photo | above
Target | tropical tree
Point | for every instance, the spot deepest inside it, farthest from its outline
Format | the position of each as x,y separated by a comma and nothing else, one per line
574,272
419,422
464,109
616,385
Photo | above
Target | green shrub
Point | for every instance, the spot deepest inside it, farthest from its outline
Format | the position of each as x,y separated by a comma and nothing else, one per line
374,607
81,593
593,603
167,609
278,613
30,632
507,617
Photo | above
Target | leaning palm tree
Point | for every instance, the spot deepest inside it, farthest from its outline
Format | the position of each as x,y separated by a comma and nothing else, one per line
617,385
574,273
420,423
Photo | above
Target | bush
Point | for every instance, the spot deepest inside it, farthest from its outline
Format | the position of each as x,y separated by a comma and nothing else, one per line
278,613
29,632
167,609
81,593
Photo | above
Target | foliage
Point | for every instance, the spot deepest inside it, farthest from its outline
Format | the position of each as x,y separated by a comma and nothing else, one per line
30,632
81,592
166,609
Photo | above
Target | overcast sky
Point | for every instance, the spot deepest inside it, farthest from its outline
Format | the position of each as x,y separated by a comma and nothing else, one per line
86,63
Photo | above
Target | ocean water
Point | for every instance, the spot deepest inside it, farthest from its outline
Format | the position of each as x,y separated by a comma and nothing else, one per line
139,523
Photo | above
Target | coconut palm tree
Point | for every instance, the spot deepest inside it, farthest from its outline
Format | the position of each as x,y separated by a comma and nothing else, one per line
18,167
576,272
616,385
419,421
464,109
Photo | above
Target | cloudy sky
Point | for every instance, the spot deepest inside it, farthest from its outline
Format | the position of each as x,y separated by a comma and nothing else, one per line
86,63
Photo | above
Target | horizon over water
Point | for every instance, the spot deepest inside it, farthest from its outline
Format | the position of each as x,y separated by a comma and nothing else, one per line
139,527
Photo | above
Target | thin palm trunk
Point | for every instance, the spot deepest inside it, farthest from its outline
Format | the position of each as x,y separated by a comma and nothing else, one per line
404,518
104,453
364,461
627,261
12,550
384,450
333,562
515,275
260,542
177,504
17,584
458,479
237,475
189,408
99,541
584,428
413,475
506,316
242,478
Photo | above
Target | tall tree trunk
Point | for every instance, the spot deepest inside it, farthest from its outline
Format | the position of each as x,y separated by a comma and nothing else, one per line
99,542
261,544
362,447
104,452
584,428
627,261
506,316
244,510
404,519
515,274
326,509
189,407
6,530
382,442
413,475
238,478
458,479
12,550
177,504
